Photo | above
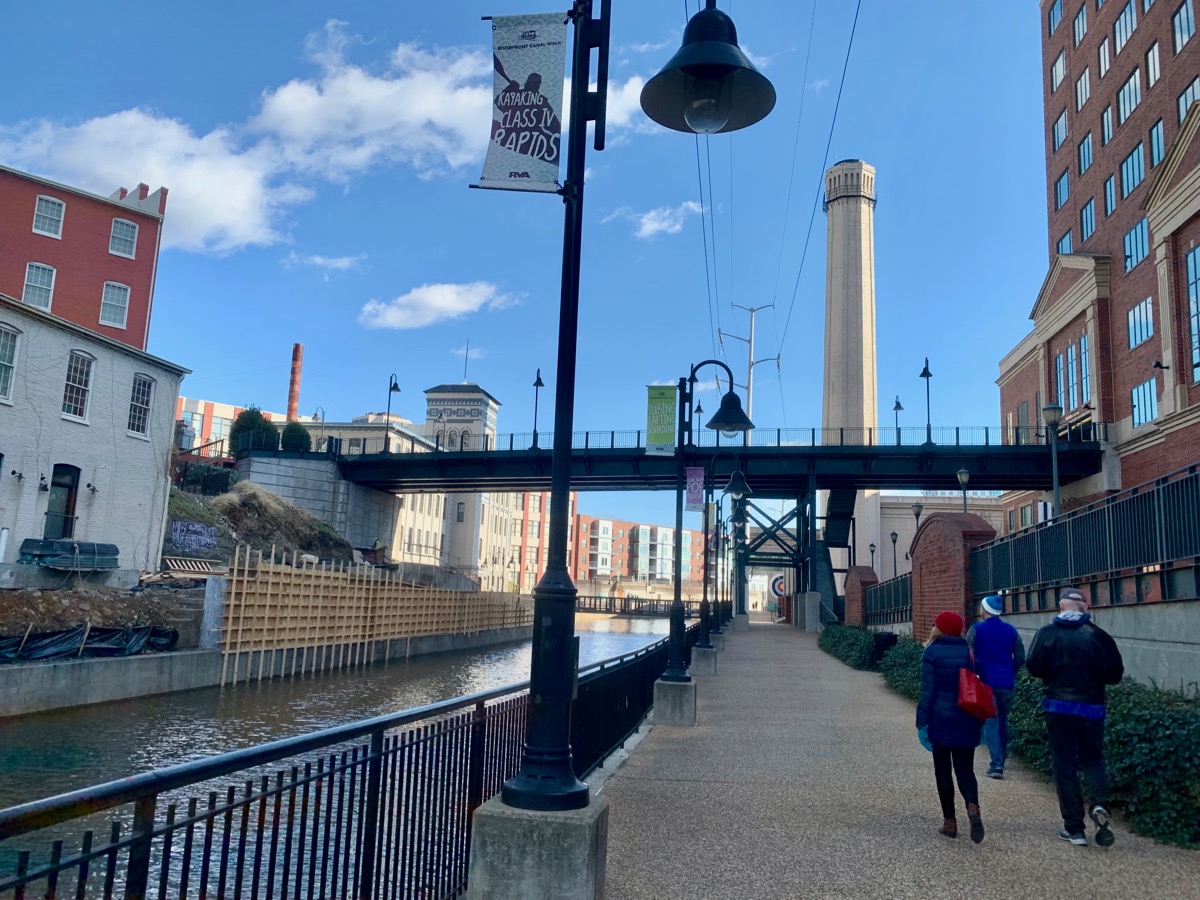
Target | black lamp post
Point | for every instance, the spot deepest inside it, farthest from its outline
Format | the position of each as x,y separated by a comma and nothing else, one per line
872,549
1052,415
963,477
393,388
538,384
709,57
729,420
917,508
893,537
711,613
927,375
896,410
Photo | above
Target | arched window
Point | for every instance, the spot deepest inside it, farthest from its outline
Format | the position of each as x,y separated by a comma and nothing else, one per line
453,439
410,540
466,440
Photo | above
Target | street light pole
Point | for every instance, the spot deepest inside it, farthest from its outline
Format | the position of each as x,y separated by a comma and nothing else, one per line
896,410
537,386
927,375
393,388
917,508
963,477
894,536
1052,415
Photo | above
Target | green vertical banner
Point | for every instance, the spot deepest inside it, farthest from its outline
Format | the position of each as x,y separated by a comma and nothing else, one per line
660,420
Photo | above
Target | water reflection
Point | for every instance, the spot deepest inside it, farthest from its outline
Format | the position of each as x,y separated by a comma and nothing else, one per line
60,751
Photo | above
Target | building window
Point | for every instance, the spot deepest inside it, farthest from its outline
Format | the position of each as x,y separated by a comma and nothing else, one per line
8,359
1083,89
1137,244
1104,60
1125,25
1080,24
1133,170
1157,149
123,240
1055,15
1129,97
1085,153
1012,520
1087,220
1064,243
139,404
1072,378
48,217
1193,278
1183,25
1106,126
78,385
1060,130
1062,190
461,515
1026,515
114,305
1141,323
1152,70
1058,71
1188,97
39,285
1084,368
1110,195
1058,377
1145,402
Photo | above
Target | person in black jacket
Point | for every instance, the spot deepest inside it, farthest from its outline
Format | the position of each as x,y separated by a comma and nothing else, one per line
945,729
1075,659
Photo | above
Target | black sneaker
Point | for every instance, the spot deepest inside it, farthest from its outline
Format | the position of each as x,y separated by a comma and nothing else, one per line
998,774
1104,835
1079,840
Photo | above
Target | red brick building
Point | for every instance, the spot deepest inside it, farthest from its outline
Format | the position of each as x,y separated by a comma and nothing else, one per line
88,259
1116,325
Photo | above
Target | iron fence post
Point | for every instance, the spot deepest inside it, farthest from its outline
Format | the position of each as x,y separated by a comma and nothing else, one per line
370,825
138,873
475,760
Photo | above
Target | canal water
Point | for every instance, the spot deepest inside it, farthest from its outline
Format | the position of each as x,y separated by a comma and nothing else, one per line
50,753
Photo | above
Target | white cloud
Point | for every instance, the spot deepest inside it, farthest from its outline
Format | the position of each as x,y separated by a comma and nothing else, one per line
328,263
432,303
663,220
471,353
819,85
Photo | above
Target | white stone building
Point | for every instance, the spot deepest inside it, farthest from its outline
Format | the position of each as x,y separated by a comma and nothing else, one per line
86,431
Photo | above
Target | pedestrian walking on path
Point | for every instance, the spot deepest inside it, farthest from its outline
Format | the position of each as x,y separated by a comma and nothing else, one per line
1075,659
945,729
999,654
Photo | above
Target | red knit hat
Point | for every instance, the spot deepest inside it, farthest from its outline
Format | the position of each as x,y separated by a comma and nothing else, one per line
949,623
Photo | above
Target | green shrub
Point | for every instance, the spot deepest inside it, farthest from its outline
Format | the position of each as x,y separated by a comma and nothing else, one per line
852,646
295,437
901,667
251,430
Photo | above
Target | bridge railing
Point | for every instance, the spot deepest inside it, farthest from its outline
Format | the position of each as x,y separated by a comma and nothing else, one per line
1140,544
945,436
378,808
633,606
889,601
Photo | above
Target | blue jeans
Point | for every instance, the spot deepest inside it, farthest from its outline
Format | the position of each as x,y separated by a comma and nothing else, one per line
995,730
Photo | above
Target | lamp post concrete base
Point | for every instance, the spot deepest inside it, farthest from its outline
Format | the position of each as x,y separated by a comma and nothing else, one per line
812,612
704,661
675,703
717,640
538,855
741,622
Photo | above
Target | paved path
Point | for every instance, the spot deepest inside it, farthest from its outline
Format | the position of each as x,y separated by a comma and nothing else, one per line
804,779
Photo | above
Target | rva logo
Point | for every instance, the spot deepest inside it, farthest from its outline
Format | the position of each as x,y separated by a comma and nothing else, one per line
518,174
530,35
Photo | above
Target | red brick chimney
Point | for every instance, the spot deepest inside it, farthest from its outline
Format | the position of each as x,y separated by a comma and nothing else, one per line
293,408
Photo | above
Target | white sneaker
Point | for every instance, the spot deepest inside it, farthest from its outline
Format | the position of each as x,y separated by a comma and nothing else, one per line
1079,840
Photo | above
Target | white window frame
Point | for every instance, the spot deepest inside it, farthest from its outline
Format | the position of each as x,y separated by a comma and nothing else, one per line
1087,220
1129,97
1133,165
1144,398
1055,15
62,216
1103,58
85,389
1058,71
1084,153
1080,24
1139,323
1183,25
15,333
112,237
1062,189
1110,196
1106,129
1064,246
1060,138
1124,26
1158,144
104,299
135,406
25,290
1083,89
1137,239
1153,72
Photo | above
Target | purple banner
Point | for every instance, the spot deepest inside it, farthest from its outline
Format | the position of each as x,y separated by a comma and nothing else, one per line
695,489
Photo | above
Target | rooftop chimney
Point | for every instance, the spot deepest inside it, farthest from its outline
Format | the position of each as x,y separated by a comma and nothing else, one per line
293,409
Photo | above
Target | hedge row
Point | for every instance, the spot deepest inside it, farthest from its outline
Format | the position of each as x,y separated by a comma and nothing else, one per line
1150,746
853,646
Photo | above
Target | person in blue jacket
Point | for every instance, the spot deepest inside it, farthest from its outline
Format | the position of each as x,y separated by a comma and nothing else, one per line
945,729
999,654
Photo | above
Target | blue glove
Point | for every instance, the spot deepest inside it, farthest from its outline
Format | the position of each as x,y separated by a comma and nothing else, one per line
923,737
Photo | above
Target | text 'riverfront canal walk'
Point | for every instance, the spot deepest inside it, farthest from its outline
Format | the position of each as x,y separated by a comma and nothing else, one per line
803,778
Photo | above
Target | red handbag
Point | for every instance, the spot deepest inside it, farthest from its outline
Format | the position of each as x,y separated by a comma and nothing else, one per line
975,697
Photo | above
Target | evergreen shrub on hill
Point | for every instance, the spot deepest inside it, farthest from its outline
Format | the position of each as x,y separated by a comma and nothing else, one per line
853,646
251,430
295,437
901,667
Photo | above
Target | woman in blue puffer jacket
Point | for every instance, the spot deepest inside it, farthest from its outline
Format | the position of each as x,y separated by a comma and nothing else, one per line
945,729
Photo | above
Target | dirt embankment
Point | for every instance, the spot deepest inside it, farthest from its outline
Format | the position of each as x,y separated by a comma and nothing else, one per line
53,610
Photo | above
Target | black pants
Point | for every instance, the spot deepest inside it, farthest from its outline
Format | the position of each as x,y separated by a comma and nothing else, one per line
962,759
1076,744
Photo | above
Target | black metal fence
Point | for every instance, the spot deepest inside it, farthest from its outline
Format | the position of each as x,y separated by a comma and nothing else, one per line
379,809
889,601
1141,544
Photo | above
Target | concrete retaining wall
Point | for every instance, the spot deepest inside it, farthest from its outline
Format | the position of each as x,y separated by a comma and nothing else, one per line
38,687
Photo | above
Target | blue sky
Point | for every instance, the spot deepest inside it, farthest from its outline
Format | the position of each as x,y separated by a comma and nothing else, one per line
318,157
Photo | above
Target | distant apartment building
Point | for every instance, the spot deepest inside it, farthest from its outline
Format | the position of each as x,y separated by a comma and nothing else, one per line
1116,324
614,551
84,258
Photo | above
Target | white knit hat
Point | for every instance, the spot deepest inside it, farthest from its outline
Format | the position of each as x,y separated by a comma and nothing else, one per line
993,605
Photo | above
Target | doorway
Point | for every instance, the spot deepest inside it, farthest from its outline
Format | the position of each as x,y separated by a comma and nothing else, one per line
60,512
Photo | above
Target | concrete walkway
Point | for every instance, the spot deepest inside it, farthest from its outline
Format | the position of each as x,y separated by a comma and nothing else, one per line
804,779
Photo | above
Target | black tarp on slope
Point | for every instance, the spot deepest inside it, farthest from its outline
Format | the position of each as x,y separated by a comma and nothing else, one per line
100,642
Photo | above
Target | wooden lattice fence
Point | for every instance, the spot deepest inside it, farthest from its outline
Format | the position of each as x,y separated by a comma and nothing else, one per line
287,616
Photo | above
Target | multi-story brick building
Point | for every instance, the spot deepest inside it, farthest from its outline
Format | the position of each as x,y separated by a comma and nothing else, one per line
88,259
613,550
1116,325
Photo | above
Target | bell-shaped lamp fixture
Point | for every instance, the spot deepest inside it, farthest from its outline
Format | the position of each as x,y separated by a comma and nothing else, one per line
737,487
729,419
709,86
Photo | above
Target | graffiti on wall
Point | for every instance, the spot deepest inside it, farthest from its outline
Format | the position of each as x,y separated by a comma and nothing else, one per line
192,536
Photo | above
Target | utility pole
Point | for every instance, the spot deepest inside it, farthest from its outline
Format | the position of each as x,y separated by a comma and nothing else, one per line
751,361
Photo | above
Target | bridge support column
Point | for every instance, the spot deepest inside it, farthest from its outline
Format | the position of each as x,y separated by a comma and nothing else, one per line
538,855
704,661
674,703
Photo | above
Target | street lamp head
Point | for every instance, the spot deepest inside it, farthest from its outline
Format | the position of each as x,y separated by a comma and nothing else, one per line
737,487
893,536
918,507
872,548
897,407
393,385
538,382
925,373
709,86
729,419
699,409
1052,413
963,477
